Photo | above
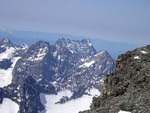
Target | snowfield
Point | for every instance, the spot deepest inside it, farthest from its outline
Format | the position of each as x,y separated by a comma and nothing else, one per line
6,75
8,106
73,106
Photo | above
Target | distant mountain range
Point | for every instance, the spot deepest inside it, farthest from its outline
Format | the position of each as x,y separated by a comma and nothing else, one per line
30,37
68,69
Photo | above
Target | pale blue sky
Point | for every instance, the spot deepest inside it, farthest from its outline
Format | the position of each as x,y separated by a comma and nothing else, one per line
114,20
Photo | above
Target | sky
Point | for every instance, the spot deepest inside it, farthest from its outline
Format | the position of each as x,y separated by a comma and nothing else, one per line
113,20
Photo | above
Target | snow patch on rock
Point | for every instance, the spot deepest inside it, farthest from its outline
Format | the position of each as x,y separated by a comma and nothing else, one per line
124,111
87,64
137,57
144,52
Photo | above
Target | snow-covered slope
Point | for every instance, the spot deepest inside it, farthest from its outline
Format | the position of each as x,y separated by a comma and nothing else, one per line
8,106
73,106
6,75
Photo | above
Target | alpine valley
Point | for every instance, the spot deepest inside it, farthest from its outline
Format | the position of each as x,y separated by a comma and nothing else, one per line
44,78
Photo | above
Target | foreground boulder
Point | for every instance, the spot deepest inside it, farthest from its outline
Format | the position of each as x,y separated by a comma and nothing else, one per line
128,87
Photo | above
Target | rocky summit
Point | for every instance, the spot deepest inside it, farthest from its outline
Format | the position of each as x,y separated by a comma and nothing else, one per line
128,87
67,66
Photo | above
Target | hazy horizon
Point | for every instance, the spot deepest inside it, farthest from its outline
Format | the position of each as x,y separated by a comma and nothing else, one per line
113,20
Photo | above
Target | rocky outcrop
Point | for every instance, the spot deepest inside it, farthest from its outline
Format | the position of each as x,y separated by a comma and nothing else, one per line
128,87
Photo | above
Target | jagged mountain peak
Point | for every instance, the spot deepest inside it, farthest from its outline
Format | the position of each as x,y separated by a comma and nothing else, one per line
75,46
38,63
5,44
8,57
67,42
87,41
5,40
103,52
38,51
24,46
40,44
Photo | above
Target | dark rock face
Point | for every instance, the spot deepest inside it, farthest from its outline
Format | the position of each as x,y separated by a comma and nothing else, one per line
5,64
38,63
1,95
30,99
69,53
79,66
87,77
128,88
